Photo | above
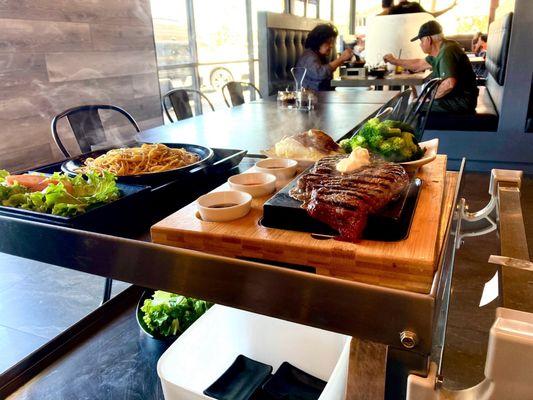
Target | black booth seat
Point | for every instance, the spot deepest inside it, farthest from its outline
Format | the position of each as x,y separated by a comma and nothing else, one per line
484,120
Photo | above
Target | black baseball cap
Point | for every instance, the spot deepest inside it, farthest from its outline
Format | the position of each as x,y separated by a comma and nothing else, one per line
428,29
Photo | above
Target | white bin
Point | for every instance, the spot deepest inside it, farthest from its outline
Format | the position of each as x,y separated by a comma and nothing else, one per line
199,356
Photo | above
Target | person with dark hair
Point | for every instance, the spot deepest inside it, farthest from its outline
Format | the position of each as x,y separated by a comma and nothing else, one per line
386,5
409,7
475,38
480,48
318,46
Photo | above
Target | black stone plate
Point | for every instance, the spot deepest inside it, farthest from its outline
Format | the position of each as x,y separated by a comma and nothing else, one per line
392,224
206,154
240,380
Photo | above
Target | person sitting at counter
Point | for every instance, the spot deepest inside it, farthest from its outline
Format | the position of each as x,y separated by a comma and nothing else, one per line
458,91
480,48
318,46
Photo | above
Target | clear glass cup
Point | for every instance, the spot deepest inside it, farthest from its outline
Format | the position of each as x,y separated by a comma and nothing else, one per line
286,99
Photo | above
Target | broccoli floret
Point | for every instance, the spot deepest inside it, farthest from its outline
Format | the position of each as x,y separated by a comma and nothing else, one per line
391,148
388,138
402,126
359,141
370,131
346,145
415,152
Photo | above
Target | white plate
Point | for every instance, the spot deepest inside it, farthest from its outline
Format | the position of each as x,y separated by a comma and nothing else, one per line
431,147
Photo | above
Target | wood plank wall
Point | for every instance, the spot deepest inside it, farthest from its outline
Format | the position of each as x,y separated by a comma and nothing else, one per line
57,54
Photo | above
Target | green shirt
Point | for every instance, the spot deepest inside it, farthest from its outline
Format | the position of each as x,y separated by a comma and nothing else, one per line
452,62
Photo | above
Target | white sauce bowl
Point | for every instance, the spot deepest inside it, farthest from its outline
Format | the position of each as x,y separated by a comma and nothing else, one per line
281,168
255,183
231,204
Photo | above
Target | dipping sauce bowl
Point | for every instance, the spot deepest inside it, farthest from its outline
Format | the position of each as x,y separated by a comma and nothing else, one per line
255,183
224,206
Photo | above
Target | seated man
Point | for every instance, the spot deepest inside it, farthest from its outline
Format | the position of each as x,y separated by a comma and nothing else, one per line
458,91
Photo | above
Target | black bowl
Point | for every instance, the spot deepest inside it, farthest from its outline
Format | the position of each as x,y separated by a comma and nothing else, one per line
139,314
377,72
356,64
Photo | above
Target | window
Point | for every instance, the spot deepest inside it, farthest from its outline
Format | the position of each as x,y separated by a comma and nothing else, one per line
172,45
298,7
365,9
341,16
263,5
325,9
468,16
312,9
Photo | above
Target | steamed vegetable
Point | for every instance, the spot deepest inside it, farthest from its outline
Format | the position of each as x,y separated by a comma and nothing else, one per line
57,194
393,140
171,314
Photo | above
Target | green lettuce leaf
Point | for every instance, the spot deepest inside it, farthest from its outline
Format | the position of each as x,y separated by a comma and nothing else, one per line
55,198
170,314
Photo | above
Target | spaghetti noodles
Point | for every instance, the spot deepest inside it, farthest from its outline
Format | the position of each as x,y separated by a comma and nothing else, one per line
148,158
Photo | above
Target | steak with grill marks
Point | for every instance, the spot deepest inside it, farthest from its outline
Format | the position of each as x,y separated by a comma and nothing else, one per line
344,201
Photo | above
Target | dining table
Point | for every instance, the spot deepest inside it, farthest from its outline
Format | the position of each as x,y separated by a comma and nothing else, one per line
391,79
257,126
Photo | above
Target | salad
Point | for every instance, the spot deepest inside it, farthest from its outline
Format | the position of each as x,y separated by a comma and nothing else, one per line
57,194
170,314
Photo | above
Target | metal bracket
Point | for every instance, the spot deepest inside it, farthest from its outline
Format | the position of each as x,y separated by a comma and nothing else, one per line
485,221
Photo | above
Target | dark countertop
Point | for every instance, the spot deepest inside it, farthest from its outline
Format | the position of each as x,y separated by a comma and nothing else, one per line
348,96
405,79
259,125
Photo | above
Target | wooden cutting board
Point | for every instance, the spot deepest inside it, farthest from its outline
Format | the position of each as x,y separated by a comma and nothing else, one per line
408,264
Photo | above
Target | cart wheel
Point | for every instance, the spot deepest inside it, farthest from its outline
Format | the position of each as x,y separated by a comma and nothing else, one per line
219,77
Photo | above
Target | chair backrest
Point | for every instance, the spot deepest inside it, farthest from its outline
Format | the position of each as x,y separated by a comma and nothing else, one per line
496,60
418,112
399,105
86,126
281,43
236,93
180,102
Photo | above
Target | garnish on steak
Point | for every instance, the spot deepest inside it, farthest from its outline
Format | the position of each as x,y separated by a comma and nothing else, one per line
345,200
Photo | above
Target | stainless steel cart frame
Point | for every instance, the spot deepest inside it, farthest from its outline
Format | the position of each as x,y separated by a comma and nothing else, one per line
412,325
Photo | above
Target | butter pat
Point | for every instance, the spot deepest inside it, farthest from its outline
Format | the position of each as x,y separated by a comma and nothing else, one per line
359,157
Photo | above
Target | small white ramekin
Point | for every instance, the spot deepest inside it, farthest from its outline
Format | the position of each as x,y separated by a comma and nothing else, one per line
242,201
281,168
255,183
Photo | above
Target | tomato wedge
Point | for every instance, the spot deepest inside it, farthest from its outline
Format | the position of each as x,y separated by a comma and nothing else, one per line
36,183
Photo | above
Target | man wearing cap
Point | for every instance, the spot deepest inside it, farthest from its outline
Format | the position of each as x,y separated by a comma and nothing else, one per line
458,91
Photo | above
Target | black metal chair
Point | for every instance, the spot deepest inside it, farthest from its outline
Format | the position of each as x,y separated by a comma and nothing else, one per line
417,115
88,130
236,93
399,105
180,102
86,126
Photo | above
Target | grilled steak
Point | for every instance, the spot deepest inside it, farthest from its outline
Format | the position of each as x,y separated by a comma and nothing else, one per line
344,201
